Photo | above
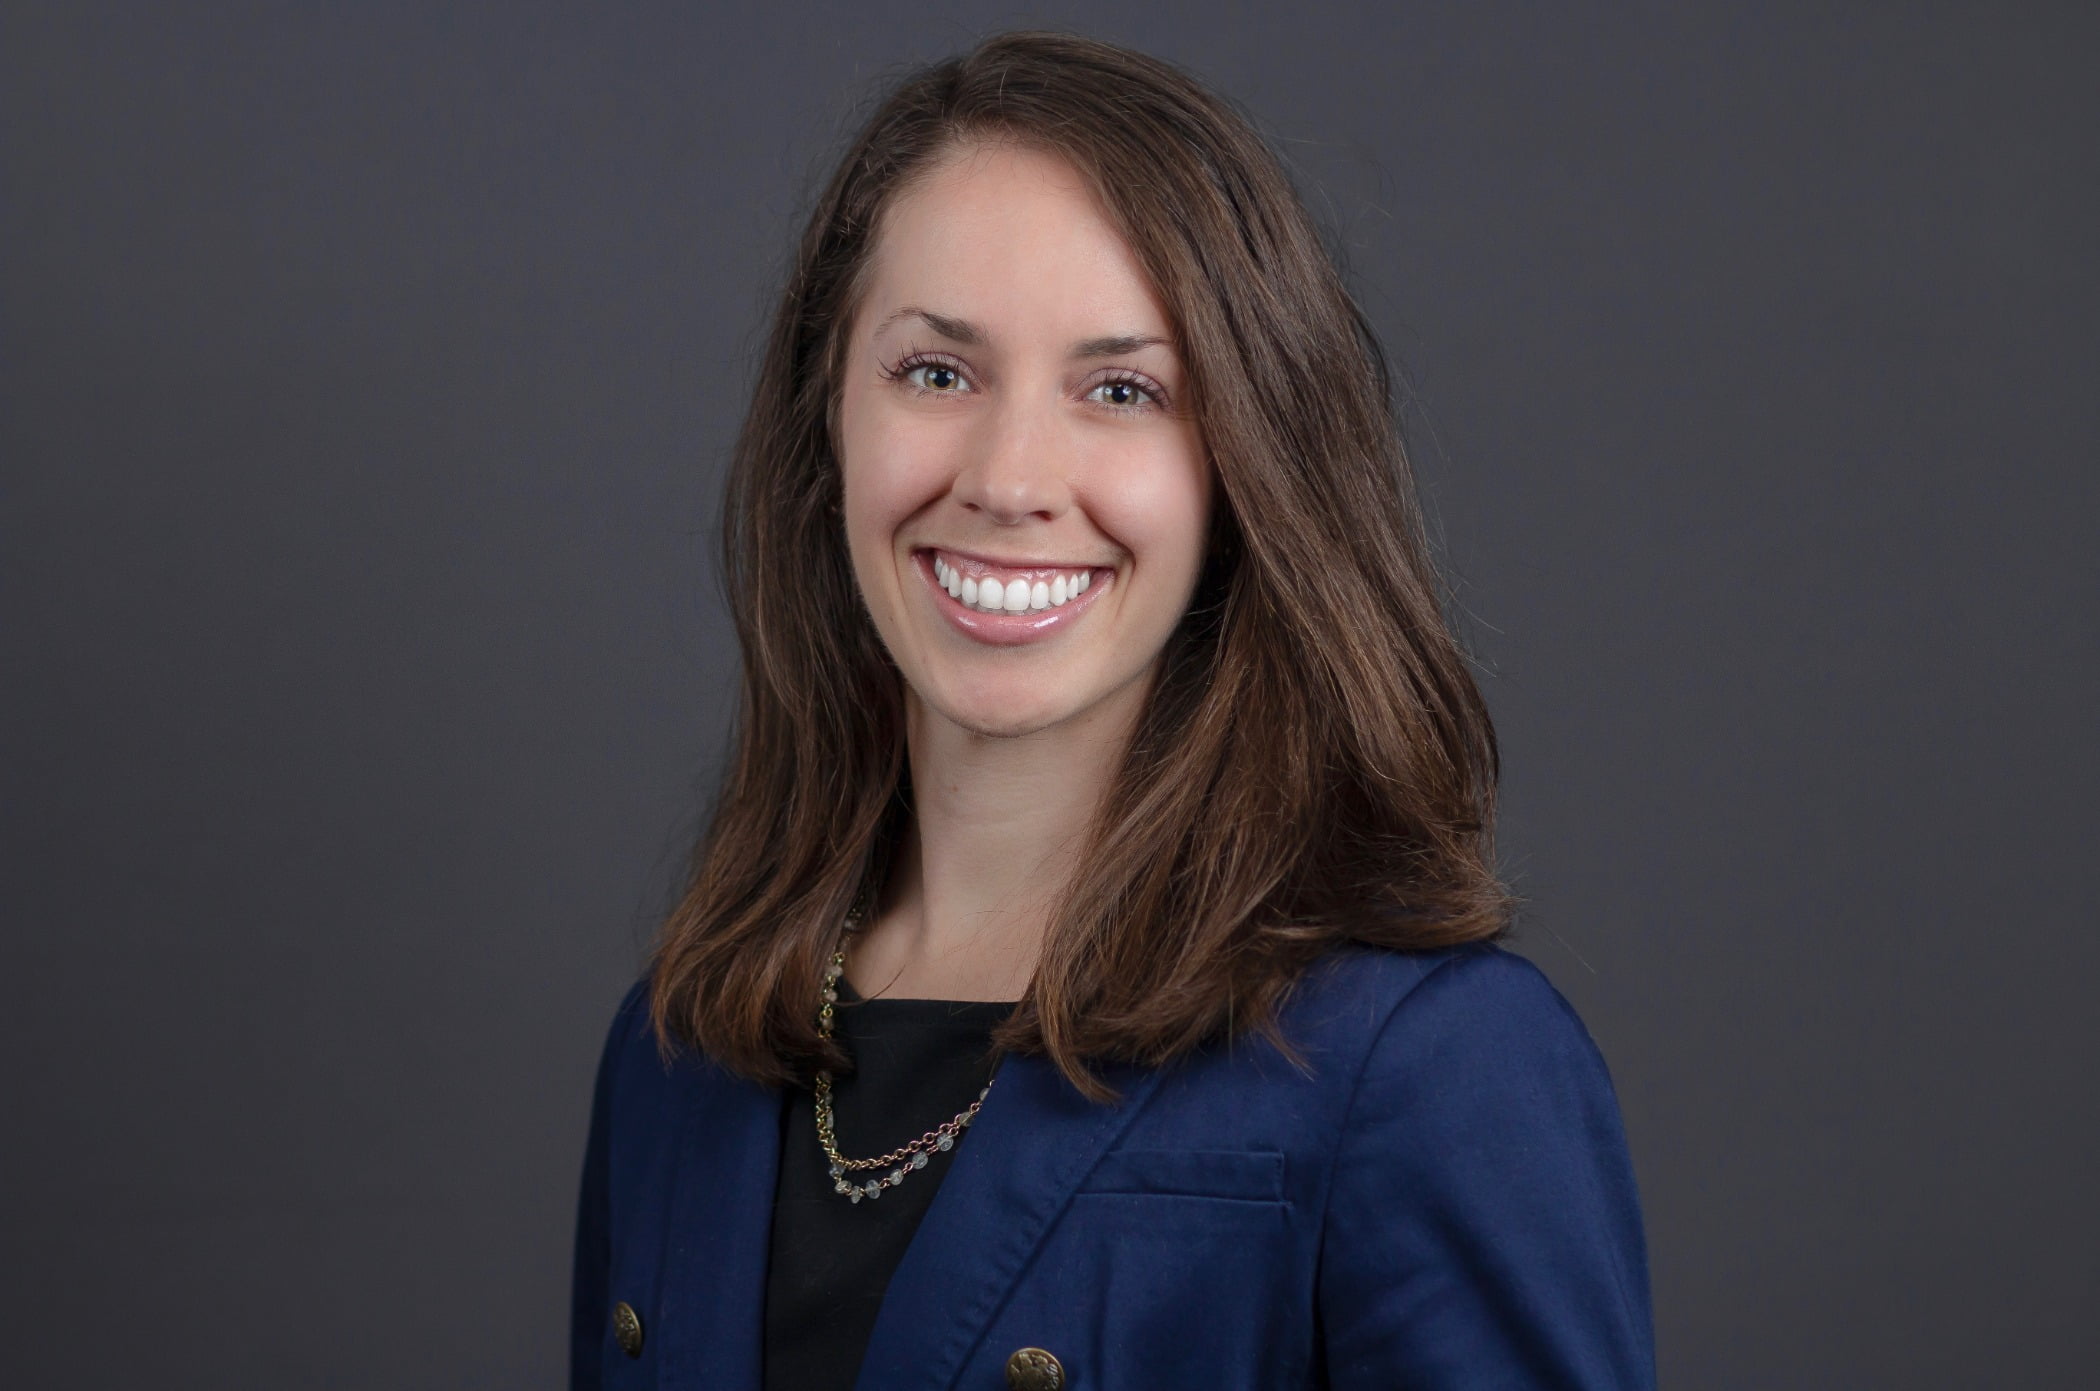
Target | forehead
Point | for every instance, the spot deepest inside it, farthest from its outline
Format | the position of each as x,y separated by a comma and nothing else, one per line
1010,235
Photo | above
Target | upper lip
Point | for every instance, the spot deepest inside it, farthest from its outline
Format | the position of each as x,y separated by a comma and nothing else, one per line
1011,563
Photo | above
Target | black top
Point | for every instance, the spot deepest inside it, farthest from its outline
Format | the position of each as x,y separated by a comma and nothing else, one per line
916,1063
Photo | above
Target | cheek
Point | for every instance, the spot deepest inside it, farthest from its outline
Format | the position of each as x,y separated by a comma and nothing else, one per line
890,471
878,489
1161,506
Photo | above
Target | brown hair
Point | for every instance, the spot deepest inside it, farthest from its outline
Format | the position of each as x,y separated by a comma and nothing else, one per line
1314,765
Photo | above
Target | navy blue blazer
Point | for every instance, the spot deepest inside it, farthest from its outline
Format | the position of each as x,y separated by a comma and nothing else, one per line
1440,1198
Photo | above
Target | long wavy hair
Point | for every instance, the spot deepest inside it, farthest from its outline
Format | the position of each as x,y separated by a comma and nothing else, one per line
1314,765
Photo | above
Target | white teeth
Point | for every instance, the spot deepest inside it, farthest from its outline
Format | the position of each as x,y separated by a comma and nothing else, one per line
1011,596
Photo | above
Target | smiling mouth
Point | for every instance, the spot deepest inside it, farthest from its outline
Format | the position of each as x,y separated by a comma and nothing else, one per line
1008,589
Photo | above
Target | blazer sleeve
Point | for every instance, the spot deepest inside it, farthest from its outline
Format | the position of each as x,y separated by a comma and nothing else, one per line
593,1260
1483,1228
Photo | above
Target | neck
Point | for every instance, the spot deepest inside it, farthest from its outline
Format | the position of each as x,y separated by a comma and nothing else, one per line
998,825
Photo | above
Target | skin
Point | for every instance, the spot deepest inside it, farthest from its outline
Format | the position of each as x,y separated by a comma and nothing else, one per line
985,411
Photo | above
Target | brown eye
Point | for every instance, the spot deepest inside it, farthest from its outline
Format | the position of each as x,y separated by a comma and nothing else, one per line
1121,393
935,376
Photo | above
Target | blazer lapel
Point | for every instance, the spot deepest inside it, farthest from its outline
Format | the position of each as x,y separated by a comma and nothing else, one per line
1028,1150
721,1225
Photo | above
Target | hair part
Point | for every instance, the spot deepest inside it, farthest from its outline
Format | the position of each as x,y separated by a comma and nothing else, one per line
1220,866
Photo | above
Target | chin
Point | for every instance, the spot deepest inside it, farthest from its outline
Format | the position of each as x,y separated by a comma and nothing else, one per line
1004,709
993,721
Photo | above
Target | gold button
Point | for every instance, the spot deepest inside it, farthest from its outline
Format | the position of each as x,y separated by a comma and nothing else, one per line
1032,1369
627,1329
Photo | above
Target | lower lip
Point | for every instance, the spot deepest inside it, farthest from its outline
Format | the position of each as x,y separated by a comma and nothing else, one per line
1009,629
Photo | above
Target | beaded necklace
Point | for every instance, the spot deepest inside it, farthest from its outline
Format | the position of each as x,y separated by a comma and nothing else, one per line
900,1162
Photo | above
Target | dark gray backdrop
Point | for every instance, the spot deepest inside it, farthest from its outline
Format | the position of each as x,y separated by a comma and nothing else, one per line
368,373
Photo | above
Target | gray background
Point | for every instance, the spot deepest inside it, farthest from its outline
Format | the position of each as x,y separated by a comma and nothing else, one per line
368,374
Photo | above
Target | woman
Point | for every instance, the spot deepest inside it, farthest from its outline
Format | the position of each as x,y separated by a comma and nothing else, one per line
1087,978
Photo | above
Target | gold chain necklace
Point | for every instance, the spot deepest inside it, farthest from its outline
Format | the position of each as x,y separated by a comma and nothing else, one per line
899,1162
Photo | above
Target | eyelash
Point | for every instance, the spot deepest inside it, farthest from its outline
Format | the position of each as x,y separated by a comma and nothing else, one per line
912,362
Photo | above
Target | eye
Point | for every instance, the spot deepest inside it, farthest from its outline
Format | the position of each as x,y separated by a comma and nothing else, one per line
1124,393
937,378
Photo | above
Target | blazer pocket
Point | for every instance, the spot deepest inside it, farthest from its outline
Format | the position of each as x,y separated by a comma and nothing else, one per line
1254,1176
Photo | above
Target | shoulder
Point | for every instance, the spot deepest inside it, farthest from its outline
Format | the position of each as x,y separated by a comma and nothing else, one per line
1469,1041
1480,998
630,1029
634,1069
639,1066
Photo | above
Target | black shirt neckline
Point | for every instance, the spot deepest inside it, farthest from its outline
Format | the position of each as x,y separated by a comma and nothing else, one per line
974,1013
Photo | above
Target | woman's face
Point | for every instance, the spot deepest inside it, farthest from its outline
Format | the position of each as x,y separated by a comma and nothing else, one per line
1026,496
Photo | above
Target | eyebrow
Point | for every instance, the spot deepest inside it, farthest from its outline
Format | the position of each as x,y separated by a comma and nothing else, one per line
964,332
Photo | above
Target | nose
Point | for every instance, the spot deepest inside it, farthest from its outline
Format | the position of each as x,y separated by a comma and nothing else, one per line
1016,466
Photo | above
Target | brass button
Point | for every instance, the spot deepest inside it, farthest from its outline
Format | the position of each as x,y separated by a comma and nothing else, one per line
627,1329
1032,1369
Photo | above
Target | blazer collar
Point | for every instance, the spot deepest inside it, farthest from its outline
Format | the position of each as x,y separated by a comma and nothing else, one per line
1031,1146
